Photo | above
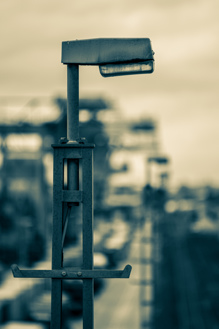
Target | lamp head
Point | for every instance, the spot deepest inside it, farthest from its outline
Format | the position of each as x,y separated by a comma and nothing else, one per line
122,56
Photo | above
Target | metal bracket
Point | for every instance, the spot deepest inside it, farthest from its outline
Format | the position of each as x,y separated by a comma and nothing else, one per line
71,273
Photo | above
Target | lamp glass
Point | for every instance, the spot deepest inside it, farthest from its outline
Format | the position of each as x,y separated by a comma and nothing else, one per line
110,70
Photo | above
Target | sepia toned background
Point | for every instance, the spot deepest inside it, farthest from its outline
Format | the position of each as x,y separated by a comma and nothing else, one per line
182,93
156,160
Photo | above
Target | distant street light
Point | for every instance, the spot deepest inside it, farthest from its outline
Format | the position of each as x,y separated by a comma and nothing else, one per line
158,159
145,125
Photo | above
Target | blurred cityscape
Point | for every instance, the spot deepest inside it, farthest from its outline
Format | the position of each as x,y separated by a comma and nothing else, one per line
170,237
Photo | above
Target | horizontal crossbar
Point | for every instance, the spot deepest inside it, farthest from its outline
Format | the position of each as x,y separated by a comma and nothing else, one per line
69,273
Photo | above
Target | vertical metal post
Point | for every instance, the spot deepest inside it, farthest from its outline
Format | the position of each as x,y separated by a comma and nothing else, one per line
72,102
56,301
88,284
73,122
72,183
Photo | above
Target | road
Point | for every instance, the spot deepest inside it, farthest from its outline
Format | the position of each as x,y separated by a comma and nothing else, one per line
118,305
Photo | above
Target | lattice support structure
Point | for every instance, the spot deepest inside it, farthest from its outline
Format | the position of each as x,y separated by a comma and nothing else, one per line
67,196
72,153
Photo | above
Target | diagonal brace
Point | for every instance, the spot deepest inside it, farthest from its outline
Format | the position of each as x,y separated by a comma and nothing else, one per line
70,273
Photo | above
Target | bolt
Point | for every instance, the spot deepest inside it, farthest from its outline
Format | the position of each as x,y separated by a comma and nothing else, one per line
64,273
81,140
63,140
79,274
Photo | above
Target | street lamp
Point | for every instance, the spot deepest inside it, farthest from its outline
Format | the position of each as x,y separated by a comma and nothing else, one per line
161,161
114,57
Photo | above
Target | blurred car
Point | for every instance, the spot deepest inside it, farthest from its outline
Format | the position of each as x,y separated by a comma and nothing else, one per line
116,245
40,308
116,249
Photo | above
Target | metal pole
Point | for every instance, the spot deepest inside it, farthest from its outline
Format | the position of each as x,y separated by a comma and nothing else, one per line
56,302
88,284
72,102
72,184
73,122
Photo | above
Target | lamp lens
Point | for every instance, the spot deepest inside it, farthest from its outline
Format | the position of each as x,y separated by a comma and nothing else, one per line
110,70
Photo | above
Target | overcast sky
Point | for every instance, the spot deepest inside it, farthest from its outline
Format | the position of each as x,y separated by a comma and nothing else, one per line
182,93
